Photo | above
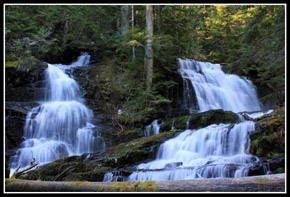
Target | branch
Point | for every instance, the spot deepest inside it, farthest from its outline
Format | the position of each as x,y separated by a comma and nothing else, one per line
58,177
16,173
122,129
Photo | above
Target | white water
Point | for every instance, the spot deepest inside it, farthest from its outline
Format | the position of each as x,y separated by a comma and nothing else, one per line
259,114
152,129
61,126
215,151
211,152
214,89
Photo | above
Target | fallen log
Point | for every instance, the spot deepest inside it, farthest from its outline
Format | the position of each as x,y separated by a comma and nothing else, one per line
265,183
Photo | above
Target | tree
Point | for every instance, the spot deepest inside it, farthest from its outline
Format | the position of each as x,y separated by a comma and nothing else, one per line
148,59
133,47
125,21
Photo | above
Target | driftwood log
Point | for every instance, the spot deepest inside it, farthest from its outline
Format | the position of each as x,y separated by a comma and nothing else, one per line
266,183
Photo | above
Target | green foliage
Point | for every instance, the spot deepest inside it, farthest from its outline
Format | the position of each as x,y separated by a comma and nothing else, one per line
11,64
261,54
56,28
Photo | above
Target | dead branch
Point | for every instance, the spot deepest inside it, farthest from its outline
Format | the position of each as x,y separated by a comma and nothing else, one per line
122,129
17,172
58,177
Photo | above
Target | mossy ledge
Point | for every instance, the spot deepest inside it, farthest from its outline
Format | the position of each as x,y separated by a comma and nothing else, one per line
200,120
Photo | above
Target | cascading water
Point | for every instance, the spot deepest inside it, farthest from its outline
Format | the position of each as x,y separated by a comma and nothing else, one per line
211,152
214,151
61,126
152,129
211,88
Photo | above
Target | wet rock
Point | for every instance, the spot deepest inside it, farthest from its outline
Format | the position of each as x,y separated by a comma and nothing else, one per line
15,116
25,83
265,165
136,151
268,140
199,120
173,165
268,143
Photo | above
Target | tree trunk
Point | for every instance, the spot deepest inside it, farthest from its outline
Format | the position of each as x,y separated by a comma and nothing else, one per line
158,18
265,183
124,20
148,60
133,47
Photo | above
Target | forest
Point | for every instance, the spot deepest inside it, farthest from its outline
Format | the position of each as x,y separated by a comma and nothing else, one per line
133,79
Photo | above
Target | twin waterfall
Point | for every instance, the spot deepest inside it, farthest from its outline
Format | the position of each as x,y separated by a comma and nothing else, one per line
61,126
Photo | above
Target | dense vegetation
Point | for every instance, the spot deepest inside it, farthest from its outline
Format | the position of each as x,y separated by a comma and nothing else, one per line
250,39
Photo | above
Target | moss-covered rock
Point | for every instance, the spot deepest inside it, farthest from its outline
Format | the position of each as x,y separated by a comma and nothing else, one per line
136,151
200,120
268,140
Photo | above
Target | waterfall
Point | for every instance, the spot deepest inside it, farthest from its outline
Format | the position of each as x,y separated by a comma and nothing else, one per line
61,126
214,151
207,87
152,129
210,152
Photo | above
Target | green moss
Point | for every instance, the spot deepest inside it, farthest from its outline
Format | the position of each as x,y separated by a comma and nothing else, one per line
269,137
180,122
78,183
230,117
9,180
104,189
135,186
280,170
126,186
103,168
200,120
148,186
211,117
203,120
167,125
11,64
134,151
262,180
268,145
270,122
49,171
